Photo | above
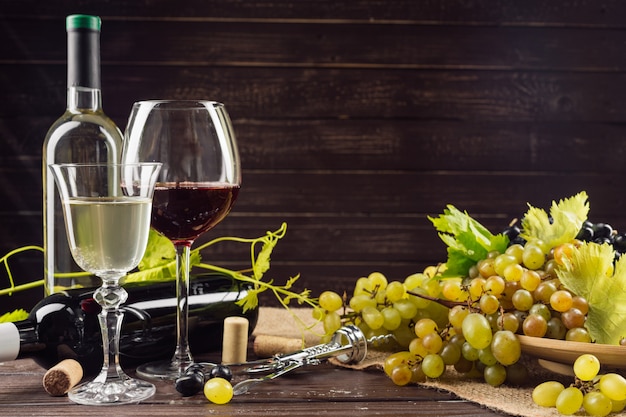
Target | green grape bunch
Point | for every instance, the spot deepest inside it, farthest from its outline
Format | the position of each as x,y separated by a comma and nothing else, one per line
466,314
596,394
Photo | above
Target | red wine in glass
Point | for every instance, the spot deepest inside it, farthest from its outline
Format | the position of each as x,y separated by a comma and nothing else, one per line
184,211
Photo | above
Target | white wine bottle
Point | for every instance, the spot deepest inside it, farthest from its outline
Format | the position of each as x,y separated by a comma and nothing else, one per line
82,134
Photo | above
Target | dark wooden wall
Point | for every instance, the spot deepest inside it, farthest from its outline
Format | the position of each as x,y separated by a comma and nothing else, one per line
355,119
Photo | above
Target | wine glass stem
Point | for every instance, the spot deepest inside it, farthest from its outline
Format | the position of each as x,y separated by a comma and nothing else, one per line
110,296
182,355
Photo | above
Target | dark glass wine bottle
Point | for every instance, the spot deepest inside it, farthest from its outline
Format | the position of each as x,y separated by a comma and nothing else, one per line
65,324
83,133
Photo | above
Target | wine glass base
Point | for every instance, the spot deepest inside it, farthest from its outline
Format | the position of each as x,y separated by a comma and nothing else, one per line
115,392
162,370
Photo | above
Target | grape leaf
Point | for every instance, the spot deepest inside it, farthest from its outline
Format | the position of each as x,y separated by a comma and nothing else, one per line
590,273
468,241
159,250
159,261
567,215
15,315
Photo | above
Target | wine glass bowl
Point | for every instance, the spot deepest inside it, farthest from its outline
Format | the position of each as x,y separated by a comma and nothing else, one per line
107,211
196,188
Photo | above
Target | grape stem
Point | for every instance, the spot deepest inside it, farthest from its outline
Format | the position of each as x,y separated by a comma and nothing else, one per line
445,303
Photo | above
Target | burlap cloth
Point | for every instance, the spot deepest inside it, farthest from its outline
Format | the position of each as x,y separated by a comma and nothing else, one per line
280,331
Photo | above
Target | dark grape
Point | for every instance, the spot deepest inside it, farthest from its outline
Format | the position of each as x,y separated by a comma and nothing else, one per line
221,371
601,230
511,232
585,233
191,383
619,242
603,240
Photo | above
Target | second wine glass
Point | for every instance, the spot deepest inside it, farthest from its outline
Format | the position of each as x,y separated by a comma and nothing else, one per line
197,186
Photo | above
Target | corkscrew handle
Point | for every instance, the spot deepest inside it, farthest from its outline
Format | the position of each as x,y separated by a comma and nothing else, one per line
348,345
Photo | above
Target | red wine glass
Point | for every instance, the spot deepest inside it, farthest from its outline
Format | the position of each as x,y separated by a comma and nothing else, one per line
197,186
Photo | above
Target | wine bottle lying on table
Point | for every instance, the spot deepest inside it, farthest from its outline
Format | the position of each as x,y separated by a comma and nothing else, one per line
65,324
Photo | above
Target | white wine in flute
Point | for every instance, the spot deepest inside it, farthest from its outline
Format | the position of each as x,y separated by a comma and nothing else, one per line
116,226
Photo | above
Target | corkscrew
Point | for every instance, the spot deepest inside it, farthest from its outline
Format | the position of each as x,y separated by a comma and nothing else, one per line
348,345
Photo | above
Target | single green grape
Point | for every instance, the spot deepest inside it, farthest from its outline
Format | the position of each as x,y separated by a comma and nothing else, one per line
378,280
432,342
477,331
561,300
330,301
508,321
332,322
450,353
406,308
418,374
318,313
541,310
489,303
424,327
395,291
578,334
546,393
486,357
556,329
530,280
401,374
416,346
618,406
457,314
373,317
218,390
522,300
392,318
613,386
495,374
433,366
535,325
597,404
469,352
533,257
506,347
363,286
359,302
586,367
513,272
569,401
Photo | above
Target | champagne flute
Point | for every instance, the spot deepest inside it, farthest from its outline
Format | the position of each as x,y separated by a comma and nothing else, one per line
196,189
107,218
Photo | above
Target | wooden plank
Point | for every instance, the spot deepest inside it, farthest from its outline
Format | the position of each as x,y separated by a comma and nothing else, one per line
338,45
287,93
382,144
399,193
508,12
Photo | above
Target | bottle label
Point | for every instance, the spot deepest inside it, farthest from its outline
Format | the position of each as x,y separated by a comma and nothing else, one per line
10,346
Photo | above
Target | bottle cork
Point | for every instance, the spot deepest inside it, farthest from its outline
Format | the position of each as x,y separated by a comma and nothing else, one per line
266,346
62,377
235,340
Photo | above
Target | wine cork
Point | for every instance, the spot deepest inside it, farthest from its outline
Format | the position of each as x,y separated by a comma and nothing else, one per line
62,377
235,340
266,346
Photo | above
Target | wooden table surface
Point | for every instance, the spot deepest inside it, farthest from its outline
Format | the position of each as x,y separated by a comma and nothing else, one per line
315,391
